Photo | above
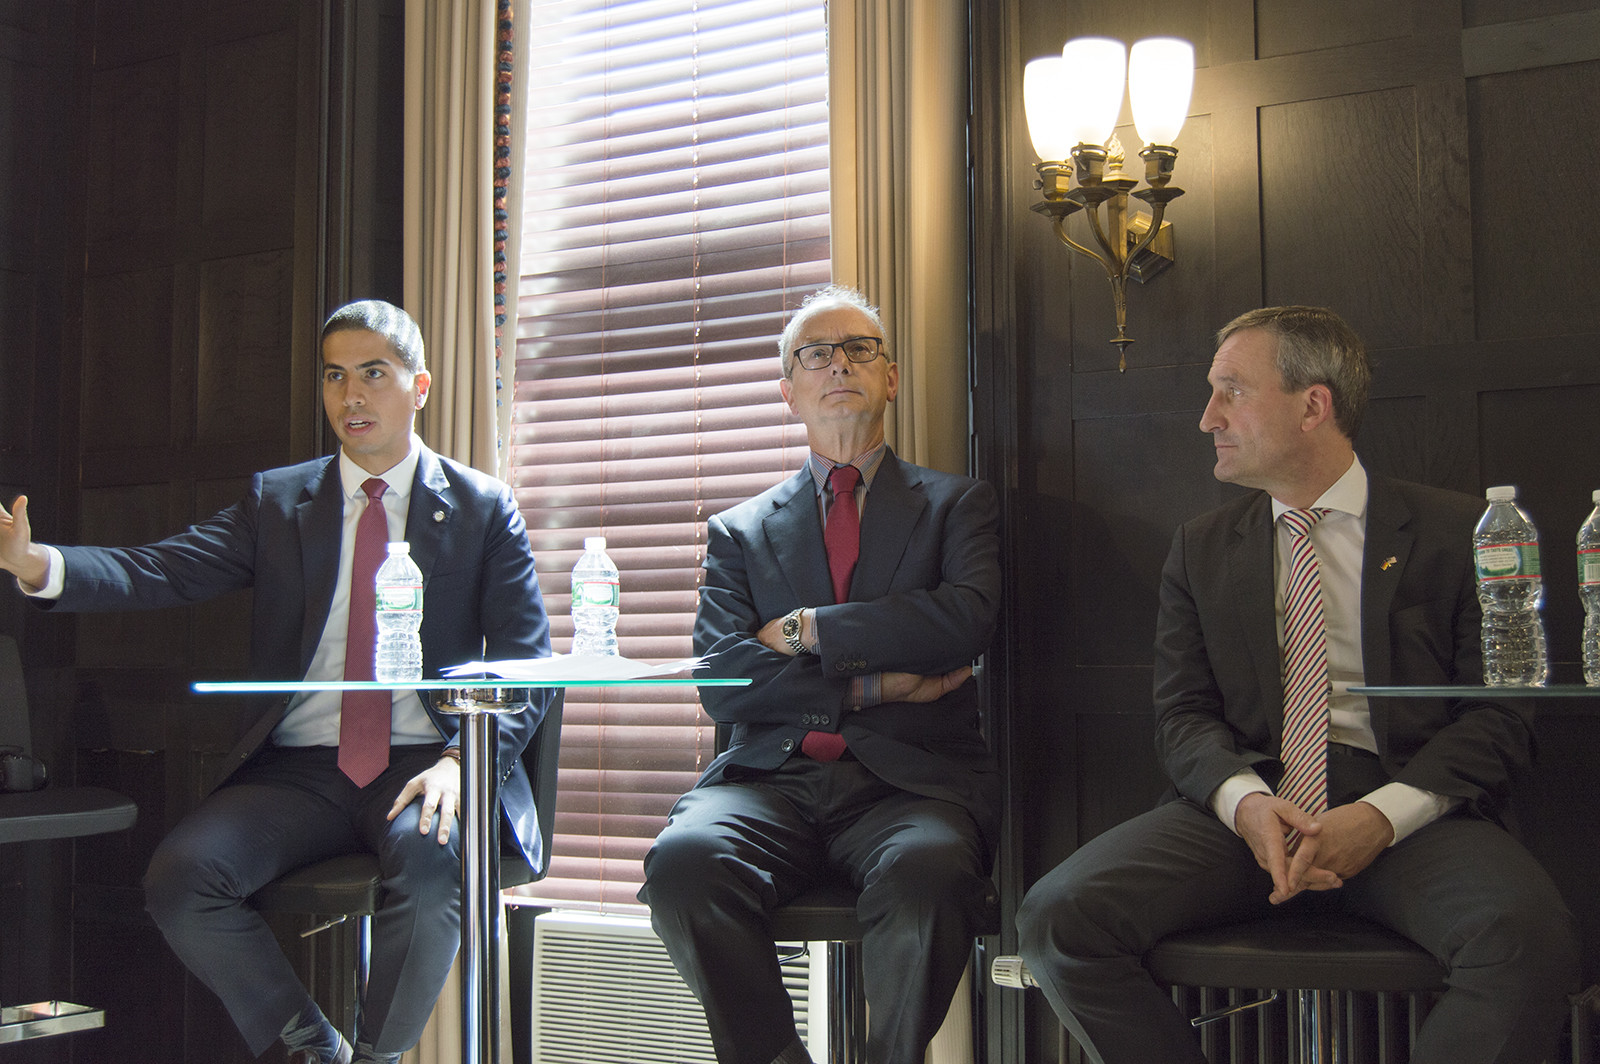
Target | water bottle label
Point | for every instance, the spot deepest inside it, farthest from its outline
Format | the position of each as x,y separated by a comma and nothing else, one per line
1589,566
400,598
1505,561
597,593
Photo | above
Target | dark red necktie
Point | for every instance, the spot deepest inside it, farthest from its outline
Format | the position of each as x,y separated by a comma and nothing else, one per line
842,537
364,715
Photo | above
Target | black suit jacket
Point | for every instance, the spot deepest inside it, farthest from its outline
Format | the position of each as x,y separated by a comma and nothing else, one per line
924,599
1218,669
481,596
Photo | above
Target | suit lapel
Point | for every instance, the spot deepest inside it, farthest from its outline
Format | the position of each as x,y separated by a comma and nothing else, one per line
1250,576
793,531
893,508
429,513
1383,563
320,515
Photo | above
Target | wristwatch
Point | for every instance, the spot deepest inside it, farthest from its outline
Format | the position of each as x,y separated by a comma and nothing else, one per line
791,632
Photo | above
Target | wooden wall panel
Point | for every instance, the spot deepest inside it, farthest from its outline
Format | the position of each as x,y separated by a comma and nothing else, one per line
1532,212
245,328
248,189
133,162
1291,26
126,313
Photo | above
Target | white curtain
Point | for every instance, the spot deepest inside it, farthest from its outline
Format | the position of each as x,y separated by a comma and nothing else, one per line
898,118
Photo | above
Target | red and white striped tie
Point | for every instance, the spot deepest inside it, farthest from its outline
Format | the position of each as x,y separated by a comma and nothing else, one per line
1305,672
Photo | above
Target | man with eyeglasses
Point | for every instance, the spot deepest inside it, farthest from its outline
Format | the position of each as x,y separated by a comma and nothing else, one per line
856,596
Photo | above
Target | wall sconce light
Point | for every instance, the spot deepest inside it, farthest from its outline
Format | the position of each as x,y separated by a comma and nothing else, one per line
1072,104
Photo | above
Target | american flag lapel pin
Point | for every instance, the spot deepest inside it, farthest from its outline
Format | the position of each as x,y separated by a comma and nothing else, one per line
1390,560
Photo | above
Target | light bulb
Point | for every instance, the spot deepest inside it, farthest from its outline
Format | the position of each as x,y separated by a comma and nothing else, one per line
1096,71
1044,99
1160,81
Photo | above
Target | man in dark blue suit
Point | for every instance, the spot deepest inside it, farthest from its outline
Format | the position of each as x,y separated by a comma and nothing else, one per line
856,752
1392,809
284,799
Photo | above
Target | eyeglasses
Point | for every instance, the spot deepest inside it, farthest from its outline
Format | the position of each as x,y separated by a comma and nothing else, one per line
856,349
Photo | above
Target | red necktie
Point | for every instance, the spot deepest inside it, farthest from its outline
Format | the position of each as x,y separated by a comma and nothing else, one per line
364,715
842,537
1305,671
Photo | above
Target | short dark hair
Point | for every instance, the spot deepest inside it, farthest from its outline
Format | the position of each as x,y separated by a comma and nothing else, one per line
1315,346
834,295
388,321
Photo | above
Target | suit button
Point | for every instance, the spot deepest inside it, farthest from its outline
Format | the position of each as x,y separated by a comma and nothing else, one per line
840,666
824,719
788,746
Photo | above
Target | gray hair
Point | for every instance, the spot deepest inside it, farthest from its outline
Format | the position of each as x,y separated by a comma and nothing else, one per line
1315,346
834,295
388,321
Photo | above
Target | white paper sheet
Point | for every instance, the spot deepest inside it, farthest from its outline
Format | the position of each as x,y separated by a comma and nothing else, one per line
572,667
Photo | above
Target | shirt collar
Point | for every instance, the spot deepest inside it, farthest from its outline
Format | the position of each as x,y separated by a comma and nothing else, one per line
1347,495
868,462
398,476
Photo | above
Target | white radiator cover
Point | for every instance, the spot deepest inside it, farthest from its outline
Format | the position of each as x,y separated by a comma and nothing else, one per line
605,992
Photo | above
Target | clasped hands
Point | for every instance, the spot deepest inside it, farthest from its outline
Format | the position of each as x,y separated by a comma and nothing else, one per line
895,686
1325,850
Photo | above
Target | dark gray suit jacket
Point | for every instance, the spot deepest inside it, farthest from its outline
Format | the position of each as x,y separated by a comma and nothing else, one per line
1218,670
481,596
924,599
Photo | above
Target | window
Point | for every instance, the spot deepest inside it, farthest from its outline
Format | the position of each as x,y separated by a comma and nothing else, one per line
675,211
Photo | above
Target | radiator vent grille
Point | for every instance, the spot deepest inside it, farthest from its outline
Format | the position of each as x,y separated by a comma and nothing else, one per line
605,992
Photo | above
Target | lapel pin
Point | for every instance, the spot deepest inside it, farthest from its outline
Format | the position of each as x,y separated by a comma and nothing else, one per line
1390,560
438,515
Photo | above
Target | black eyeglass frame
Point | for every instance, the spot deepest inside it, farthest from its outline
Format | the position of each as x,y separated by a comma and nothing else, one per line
842,345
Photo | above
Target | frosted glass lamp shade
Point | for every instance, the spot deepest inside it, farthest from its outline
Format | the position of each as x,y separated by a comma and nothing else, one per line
1044,97
1160,80
1096,71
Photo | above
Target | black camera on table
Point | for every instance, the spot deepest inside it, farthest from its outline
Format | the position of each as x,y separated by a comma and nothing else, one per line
20,772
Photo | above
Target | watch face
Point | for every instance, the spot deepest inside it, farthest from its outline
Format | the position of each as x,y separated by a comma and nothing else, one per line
791,626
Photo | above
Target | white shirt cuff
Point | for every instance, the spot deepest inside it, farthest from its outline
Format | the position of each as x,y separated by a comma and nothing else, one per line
1409,808
54,580
1226,798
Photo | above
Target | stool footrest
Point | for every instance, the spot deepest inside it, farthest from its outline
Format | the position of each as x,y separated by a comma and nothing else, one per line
19,1023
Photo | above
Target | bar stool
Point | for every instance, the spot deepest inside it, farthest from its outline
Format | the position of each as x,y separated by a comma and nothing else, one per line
51,813
828,914
1314,956
348,886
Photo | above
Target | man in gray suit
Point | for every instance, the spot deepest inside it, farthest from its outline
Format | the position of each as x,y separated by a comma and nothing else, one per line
1393,809
856,753
289,799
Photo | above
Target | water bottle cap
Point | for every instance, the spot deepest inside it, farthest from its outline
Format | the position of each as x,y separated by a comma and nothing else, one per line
594,543
1503,493
399,546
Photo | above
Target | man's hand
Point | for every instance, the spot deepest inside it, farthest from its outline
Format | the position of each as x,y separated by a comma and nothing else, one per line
17,551
1265,822
910,687
440,789
1352,836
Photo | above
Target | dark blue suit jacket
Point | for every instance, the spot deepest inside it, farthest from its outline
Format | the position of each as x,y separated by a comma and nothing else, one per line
924,599
481,596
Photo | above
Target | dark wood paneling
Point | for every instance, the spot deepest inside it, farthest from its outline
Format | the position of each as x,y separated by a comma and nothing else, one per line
245,329
1533,148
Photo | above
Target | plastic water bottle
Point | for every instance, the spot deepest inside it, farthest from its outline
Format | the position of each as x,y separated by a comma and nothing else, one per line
1505,548
596,594
1589,592
399,617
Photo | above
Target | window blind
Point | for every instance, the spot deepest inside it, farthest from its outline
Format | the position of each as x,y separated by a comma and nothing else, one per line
675,211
